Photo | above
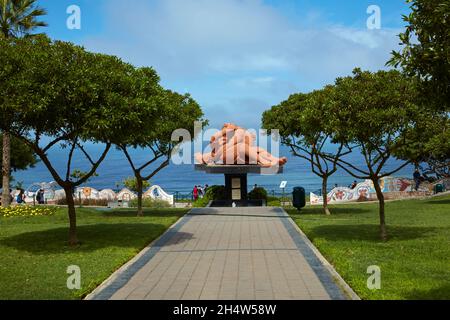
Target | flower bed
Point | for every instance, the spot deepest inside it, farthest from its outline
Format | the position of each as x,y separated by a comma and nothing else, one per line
26,211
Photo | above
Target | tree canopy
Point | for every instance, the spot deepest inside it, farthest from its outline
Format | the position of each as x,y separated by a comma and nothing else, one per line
375,112
302,122
426,49
18,18
59,94
132,184
426,56
170,112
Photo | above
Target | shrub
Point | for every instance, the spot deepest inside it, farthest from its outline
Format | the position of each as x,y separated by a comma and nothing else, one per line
273,202
216,193
26,211
150,203
213,193
201,202
84,202
258,194
131,183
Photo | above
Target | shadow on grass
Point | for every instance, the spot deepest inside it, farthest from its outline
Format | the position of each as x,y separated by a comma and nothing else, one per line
132,213
334,210
368,232
92,237
440,293
442,201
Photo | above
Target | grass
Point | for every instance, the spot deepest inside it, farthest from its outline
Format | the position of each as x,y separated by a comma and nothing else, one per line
34,255
414,262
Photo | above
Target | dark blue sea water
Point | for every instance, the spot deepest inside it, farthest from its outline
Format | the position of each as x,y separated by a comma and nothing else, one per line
182,178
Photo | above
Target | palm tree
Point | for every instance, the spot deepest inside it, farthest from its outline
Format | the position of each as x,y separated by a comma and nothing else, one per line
18,18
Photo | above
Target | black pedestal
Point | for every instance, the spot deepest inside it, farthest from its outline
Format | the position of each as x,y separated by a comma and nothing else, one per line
236,187
235,183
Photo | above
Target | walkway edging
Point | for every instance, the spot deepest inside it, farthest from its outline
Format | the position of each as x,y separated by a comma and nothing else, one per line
124,268
336,276
332,282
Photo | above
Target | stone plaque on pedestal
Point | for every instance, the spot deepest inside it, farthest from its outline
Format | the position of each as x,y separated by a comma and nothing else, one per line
236,194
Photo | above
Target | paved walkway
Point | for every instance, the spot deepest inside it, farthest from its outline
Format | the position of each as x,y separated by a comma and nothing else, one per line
225,254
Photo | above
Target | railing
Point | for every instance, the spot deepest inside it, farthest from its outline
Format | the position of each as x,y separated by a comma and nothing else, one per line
287,196
188,196
180,196
282,196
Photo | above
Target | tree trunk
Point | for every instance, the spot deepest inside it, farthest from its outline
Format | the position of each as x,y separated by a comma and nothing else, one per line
380,196
6,169
325,195
73,239
139,192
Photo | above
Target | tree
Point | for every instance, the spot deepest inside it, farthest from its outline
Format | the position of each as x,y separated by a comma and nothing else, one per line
168,112
22,157
374,112
67,97
426,47
132,184
18,18
302,124
425,56
428,145
440,169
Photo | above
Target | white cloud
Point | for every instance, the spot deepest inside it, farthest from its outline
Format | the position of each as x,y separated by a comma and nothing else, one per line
181,36
247,43
258,82
185,37
368,38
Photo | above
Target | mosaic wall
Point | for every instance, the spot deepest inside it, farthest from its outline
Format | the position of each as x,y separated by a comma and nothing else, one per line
365,191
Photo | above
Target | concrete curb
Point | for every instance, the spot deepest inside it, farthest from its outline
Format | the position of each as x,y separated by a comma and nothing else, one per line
116,274
333,282
336,276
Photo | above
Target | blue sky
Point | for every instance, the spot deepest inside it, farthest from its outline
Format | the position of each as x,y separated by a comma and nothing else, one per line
236,57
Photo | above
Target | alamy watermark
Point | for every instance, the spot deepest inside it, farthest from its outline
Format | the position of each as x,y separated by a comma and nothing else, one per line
374,280
74,278
73,22
374,20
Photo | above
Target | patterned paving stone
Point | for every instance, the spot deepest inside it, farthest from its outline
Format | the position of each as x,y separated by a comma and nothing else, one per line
226,254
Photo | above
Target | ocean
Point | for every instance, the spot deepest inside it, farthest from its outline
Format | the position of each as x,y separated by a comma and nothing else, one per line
182,178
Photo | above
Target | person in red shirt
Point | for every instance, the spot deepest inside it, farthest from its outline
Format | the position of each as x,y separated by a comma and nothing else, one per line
195,193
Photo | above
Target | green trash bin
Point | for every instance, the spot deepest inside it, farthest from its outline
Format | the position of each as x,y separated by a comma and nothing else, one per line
439,188
299,198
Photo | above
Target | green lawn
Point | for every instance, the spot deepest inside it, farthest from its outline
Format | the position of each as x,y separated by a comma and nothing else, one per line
34,256
415,262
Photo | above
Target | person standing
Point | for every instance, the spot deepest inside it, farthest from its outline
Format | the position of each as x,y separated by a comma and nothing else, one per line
40,197
200,191
20,199
417,178
195,193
